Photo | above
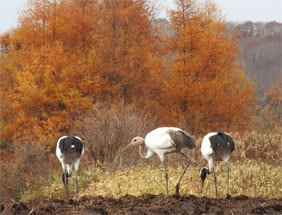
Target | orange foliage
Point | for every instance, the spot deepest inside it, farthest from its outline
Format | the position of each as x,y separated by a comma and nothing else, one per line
45,95
125,46
205,88
69,55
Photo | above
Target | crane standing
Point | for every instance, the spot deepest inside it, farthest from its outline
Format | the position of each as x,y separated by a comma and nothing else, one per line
216,147
165,140
69,151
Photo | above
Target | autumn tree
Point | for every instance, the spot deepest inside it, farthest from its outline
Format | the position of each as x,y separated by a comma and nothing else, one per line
205,88
48,79
126,47
66,56
44,98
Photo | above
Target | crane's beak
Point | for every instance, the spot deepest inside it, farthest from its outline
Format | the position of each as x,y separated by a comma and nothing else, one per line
127,147
202,182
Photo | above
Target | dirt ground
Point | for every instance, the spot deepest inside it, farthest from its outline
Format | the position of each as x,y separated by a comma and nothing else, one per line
147,204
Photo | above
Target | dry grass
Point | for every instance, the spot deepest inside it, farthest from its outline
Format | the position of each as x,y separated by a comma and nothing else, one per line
249,178
255,167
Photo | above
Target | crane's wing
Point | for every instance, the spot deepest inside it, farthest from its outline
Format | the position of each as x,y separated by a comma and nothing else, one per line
222,141
182,138
67,142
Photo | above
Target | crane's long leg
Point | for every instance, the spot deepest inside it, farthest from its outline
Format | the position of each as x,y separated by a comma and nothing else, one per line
215,182
65,181
186,167
75,172
227,167
76,165
67,188
166,177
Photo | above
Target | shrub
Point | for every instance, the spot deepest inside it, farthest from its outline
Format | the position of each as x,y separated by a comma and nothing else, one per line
25,167
107,130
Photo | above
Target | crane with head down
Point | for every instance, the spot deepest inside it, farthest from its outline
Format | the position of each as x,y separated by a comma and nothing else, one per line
165,140
216,146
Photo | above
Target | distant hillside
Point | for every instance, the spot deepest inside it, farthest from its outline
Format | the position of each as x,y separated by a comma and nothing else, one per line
260,51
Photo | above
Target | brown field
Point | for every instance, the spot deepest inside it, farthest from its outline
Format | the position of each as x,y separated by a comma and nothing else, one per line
148,204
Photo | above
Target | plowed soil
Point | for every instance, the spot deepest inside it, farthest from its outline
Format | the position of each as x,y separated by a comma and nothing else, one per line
147,204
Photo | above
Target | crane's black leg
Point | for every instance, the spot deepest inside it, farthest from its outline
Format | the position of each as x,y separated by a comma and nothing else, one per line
75,184
227,167
65,181
166,177
186,167
215,183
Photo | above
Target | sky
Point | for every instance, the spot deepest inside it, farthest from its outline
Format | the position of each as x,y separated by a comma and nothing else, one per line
232,10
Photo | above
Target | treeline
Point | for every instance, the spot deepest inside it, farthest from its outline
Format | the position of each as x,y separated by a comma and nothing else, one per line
261,57
260,52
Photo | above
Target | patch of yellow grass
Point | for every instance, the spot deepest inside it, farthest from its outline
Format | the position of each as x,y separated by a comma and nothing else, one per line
255,172
251,178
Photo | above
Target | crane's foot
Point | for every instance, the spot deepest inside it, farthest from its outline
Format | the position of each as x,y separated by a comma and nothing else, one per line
72,201
228,196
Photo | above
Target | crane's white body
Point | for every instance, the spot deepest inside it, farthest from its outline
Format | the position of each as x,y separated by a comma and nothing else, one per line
210,155
221,152
70,160
159,141
162,141
69,156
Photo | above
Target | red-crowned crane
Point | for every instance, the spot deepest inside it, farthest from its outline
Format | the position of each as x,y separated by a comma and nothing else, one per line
165,140
216,146
69,152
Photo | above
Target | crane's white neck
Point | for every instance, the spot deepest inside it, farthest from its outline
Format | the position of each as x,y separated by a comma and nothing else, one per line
141,153
211,165
147,155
